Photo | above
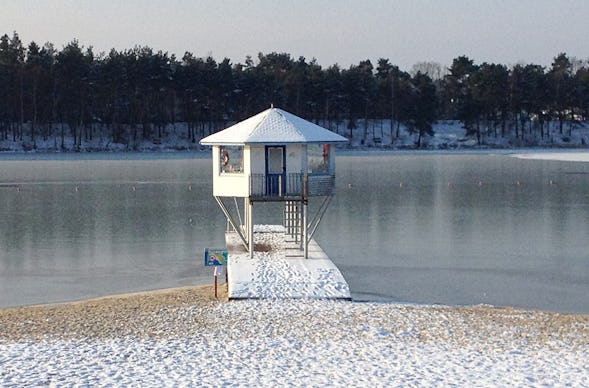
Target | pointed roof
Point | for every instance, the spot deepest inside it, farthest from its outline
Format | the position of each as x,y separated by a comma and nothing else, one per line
273,126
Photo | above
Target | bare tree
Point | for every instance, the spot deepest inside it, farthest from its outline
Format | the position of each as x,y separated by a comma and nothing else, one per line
432,69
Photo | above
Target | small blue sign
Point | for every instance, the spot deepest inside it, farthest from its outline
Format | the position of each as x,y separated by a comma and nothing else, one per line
215,257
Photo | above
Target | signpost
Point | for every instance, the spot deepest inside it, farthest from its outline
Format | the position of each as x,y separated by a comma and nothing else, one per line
216,258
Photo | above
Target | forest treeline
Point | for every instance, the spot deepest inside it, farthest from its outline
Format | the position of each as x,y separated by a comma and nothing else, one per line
135,93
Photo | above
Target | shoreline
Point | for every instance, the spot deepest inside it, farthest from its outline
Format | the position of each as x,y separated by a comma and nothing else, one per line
108,316
346,150
205,293
185,337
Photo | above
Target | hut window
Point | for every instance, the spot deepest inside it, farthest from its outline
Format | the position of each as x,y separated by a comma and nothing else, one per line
231,159
318,158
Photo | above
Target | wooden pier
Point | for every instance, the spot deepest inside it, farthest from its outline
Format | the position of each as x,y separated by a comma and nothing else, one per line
279,270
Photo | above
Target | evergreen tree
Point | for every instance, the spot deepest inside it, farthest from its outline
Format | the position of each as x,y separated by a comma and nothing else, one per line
72,68
559,78
424,103
333,90
490,90
582,91
461,88
359,90
33,70
12,59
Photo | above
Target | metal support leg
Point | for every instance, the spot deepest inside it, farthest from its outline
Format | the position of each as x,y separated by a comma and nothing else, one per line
233,223
305,231
250,228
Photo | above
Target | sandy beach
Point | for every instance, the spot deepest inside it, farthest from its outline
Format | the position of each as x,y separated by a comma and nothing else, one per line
106,317
185,336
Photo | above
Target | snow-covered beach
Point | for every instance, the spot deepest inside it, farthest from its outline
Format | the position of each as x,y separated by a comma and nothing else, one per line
185,337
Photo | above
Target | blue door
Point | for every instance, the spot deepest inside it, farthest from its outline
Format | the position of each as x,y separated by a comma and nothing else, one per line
275,170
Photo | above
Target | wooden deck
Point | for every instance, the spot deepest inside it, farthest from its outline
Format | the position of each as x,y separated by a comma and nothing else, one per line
279,270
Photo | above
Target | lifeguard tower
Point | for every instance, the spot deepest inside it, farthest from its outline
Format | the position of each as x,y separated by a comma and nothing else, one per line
274,156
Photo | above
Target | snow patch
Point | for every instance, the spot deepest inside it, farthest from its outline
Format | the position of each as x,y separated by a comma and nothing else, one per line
559,156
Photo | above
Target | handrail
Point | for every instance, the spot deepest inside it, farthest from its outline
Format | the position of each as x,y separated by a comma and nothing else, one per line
295,185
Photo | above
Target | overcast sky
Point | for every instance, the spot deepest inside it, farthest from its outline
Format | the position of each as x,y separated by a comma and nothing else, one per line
332,31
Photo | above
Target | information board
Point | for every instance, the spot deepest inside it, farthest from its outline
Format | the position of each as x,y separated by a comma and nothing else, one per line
215,257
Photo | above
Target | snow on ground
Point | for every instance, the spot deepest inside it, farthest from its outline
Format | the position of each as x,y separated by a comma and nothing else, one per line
372,134
279,270
561,156
313,343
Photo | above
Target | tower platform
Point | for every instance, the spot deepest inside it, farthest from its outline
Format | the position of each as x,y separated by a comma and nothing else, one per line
278,269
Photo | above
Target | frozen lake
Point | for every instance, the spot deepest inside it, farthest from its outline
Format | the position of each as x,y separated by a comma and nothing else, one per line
419,228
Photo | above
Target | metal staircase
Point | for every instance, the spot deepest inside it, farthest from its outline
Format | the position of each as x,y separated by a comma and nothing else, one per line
293,221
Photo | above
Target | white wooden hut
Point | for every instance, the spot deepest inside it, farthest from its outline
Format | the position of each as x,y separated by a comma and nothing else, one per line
274,156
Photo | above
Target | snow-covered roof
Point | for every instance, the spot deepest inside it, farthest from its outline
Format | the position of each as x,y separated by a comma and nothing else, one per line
273,126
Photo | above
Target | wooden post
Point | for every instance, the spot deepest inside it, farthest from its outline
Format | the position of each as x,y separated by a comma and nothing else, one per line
215,276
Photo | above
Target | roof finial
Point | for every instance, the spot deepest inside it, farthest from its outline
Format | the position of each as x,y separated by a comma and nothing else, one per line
271,105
